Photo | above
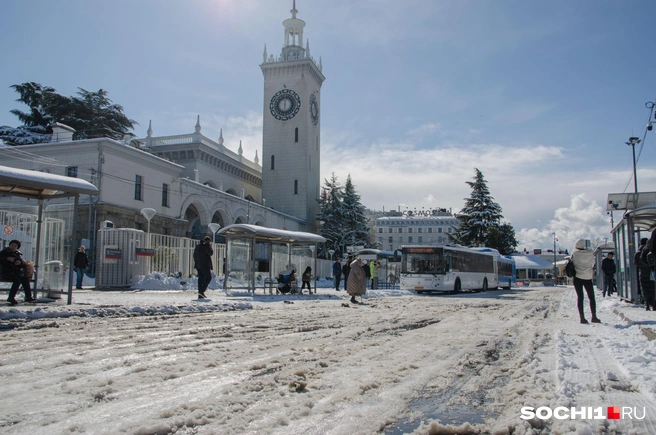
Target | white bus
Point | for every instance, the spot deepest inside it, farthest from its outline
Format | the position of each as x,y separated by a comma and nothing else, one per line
505,267
447,268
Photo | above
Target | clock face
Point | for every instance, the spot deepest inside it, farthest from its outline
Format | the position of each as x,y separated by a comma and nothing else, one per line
285,104
314,110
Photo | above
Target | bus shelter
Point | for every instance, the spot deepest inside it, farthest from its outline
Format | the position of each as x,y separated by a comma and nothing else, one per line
626,236
43,187
255,255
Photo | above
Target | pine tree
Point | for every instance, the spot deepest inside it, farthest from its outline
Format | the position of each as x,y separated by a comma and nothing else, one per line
502,238
330,214
354,215
92,114
479,214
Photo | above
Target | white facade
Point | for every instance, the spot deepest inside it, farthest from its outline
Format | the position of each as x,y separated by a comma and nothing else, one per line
291,143
402,229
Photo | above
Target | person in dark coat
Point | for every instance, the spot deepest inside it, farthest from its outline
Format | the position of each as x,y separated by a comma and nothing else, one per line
608,268
337,272
305,279
203,264
13,270
644,272
81,263
346,269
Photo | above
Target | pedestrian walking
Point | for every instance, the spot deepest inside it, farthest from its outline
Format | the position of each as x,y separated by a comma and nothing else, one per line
14,270
337,272
81,263
203,264
357,283
608,268
584,262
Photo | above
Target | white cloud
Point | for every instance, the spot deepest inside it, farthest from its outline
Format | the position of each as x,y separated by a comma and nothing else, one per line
584,218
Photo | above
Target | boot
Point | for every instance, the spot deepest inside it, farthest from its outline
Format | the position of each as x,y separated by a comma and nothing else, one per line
583,321
353,300
595,319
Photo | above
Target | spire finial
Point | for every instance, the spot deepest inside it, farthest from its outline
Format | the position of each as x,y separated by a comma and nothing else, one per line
256,159
264,55
241,150
150,128
221,137
198,124
294,11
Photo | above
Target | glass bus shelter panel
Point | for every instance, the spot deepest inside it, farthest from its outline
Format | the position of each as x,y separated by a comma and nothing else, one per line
238,262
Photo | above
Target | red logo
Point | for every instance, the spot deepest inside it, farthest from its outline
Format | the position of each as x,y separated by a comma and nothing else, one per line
613,413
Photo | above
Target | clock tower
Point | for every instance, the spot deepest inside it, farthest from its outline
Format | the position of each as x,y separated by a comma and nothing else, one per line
291,140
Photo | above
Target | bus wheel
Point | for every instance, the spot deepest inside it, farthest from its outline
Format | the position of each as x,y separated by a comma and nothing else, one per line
485,285
457,287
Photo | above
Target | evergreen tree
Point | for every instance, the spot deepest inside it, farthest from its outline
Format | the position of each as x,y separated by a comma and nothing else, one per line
502,238
354,215
330,214
342,216
92,114
479,214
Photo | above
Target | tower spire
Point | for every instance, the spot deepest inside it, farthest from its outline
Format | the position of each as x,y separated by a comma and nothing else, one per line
294,11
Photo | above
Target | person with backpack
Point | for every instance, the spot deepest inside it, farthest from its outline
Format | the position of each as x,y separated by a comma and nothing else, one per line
13,269
584,262
608,268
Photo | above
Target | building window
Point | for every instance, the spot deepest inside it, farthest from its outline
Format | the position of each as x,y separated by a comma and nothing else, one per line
430,230
439,230
380,230
71,171
409,230
409,239
165,195
296,135
389,239
401,239
138,188
390,230
400,230
450,230
273,162
295,187
419,230
420,239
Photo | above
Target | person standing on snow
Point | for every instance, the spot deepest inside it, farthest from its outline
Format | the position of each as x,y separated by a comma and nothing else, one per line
337,272
609,269
357,283
584,262
346,269
81,263
203,264
13,270
645,269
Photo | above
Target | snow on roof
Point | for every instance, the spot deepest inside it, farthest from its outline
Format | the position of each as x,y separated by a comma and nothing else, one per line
35,184
271,234
531,262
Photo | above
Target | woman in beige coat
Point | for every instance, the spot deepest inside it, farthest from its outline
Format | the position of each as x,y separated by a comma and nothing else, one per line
357,282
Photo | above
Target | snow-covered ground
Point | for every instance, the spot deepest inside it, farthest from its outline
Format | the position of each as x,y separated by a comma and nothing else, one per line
161,361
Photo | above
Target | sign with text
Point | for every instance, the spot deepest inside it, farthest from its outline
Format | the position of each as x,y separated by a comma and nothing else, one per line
144,252
115,254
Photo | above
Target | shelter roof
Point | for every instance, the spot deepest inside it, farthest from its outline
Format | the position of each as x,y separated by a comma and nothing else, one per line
272,235
41,185
644,217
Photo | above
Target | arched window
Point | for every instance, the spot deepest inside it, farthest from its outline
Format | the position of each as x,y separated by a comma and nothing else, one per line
273,162
295,187
296,135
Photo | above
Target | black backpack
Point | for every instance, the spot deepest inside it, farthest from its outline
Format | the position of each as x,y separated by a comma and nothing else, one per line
570,271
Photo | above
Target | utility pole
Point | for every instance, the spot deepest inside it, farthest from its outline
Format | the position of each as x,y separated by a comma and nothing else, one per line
555,269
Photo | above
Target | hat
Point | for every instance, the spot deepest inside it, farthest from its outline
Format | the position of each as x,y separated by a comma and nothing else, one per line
207,238
16,242
580,244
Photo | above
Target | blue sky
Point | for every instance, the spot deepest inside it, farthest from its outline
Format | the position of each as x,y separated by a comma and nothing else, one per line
540,96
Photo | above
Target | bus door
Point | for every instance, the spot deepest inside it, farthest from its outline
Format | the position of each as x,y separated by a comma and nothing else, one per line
448,261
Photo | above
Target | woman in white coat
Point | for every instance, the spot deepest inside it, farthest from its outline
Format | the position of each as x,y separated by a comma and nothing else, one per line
584,262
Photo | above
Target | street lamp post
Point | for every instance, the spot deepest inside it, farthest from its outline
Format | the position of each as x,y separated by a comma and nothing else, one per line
214,227
331,252
633,141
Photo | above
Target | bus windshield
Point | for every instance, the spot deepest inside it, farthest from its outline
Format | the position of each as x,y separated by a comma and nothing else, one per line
423,260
